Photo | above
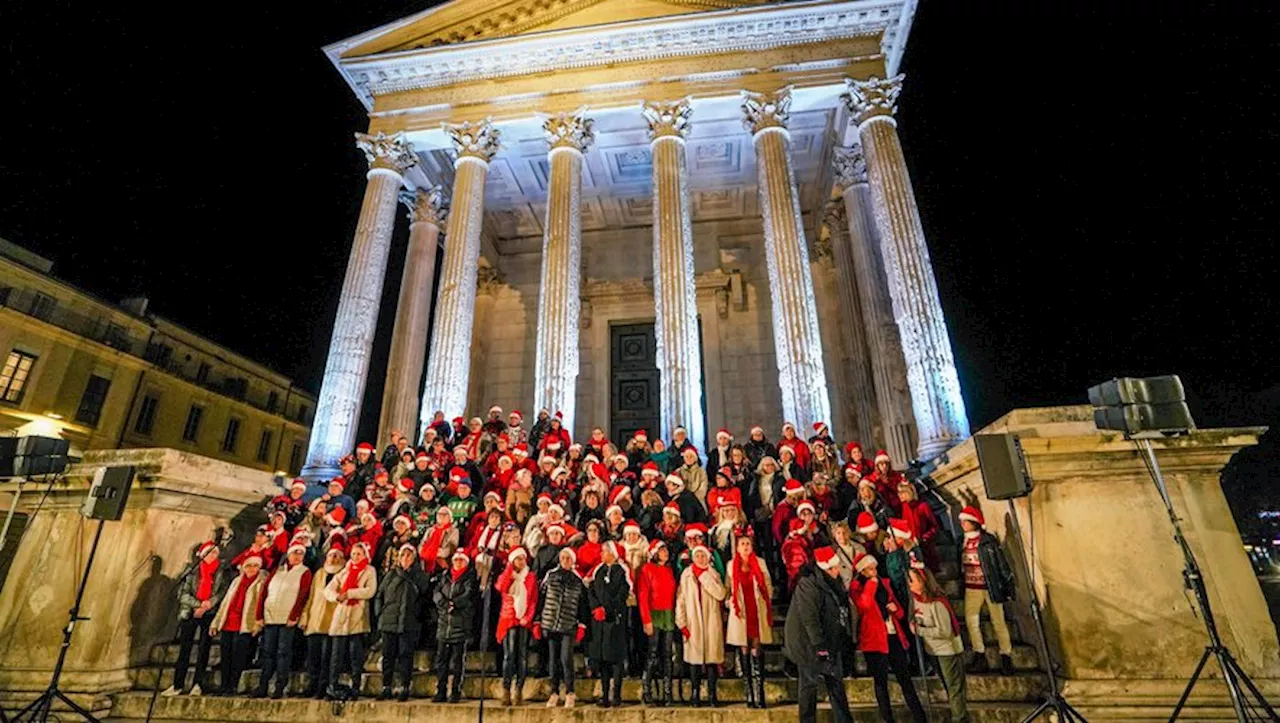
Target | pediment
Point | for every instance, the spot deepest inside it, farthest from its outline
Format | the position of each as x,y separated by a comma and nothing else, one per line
466,21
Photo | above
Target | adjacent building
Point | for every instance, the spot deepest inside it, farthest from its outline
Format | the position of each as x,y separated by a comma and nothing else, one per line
107,376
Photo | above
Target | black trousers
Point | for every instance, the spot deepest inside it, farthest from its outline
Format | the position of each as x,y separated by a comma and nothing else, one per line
347,657
449,662
237,648
658,663
811,676
276,655
193,631
560,652
319,658
515,657
611,674
897,662
397,657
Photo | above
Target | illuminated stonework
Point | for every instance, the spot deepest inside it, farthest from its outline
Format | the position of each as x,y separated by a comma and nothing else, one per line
874,98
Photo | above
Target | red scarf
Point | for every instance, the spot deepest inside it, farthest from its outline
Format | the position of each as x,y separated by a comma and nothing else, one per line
757,575
353,578
431,547
204,589
955,624
457,573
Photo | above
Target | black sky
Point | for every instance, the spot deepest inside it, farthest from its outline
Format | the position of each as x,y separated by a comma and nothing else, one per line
1097,181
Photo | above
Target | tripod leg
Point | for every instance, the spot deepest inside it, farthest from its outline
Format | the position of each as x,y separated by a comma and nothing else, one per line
1043,707
1190,684
76,707
1240,676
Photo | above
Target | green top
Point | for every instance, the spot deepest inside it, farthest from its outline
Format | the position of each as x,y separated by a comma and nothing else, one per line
664,620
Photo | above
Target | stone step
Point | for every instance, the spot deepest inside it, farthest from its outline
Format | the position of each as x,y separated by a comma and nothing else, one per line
134,707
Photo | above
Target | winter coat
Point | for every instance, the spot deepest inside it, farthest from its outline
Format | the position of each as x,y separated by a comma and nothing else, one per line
878,510
317,616
873,598
189,583
519,593
655,590
546,559
285,595
700,611
1001,585
887,488
801,449
609,588
399,599
249,621
816,618
757,451
562,602
736,634
936,628
691,507
695,481
455,605
349,619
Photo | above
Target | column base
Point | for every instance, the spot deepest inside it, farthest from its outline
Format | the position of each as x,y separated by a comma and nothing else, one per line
319,473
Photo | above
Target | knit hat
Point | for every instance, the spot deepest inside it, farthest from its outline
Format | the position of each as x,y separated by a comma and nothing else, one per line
882,456
793,487
974,515
900,529
654,546
826,558
863,561
867,523
676,480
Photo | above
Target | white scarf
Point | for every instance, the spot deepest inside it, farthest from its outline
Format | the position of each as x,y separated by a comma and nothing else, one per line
519,595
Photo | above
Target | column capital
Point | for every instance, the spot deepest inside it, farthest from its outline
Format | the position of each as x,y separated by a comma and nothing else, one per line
873,97
850,166
667,118
574,131
392,153
426,205
762,111
474,140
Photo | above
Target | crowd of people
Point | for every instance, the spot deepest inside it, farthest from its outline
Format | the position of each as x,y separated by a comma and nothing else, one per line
658,558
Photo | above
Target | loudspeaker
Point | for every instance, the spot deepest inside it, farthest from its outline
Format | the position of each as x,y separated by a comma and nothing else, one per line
31,456
1134,406
1004,469
109,493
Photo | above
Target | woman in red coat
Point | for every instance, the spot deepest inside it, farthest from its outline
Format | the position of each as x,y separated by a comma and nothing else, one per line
882,637
519,589
797,445
922,522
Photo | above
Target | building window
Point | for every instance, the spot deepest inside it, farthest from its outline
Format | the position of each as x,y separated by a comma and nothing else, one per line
192,427
147,415
13,380
95,395
232,436
302,413
5,291
264,445
295,458
273,401
116,337
202,374
42,306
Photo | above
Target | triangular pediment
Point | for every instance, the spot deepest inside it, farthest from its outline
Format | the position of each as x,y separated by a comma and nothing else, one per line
465,21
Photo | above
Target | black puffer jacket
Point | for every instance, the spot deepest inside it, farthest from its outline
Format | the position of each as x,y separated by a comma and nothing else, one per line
562,602
399,598
817,618
1001,584
455,605
757,451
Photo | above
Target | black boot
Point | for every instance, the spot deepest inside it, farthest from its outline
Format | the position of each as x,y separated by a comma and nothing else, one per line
646,687
978,665
666,692
748,678
757,674
695,683
713,675
1006,665
456,694
617,688
385,694
442,689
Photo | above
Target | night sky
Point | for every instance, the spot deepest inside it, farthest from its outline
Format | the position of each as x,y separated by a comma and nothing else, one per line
1097,183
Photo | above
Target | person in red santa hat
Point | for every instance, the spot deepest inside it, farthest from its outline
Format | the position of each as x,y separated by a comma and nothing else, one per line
620,470
638,449
785,510
724,489
699,615
796,551
492,428
520,453
515,431
989,583
473,442
482,547
556,440
588,551
200,591
597,441
656,599
695,534
368,530
366,464
236,624
886,479
439,542
278,535
400,531
455,599
868,501
490,502
812,639
691,508
519,502
922,523
262,547
853,455
730,525
718,453
609,587
561,618
671,529
291,504
758,447
822,433
882,636
502,448
797,445
518,586
280,608
400,598
750,617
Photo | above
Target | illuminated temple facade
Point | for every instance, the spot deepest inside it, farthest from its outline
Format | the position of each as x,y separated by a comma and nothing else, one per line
642,214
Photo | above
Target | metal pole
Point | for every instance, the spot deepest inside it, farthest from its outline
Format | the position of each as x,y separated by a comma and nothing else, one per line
13,508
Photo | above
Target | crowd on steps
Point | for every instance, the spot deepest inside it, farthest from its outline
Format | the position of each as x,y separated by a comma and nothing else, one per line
659,559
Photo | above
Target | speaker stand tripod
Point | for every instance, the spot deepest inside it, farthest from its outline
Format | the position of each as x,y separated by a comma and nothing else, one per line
38,710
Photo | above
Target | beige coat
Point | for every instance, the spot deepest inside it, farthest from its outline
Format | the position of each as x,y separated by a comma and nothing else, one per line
318,614
249,617
737,632
702,613
351,619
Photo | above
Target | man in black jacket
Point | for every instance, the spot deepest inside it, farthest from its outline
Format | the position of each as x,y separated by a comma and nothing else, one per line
989,582
455,609
607,592
817,623
399,597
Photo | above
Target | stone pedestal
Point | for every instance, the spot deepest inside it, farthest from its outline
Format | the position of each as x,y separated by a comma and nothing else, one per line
679,353
1109,576
333,434
449,364
177,501
401,395
797,339
931,367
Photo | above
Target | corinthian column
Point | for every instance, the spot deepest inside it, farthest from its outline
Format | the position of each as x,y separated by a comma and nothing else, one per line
856,388
556,360
449,364
888,372
796,339
674,294
400,397
342,390
931,368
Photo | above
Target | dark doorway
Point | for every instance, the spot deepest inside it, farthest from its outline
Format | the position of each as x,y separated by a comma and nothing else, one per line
634,391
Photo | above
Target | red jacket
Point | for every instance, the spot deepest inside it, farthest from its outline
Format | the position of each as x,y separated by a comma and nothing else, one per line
507,617
782,515
873,634
921,520
655,590
887,486
801,449
795,553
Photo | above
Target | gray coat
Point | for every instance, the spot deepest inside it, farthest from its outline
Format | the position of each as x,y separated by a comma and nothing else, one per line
187,584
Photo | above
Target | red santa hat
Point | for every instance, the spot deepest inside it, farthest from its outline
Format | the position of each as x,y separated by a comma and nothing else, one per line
347,459
641,435
882,456
826,558
620,456
694,529
553,443
495,408
866,482
699,548
517,551
654,546
785,425
725,473
364,546
599,472
864,560
294,547
723,433
675,480
617,493
612,509
459,476
277,513
554,528
476,420
819,427
974,515
422,455
806,505
786,449
340,481
497,497
650,469
521,449
572,553
460,554
406,485
900,529
756,429
866,523
559,415
793,487
678,429
673,508
848,448
556,507
298,484
251,558
402,518
205,548
457,421
426,486
408,546
543,497
631,526
559,472
364,447
336,515
612,546
731,497
516,413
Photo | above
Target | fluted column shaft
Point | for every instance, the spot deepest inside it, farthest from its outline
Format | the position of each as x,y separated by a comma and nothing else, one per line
401,396
346,370
859,393
930,363
679,353
888,372
797,340
449,363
